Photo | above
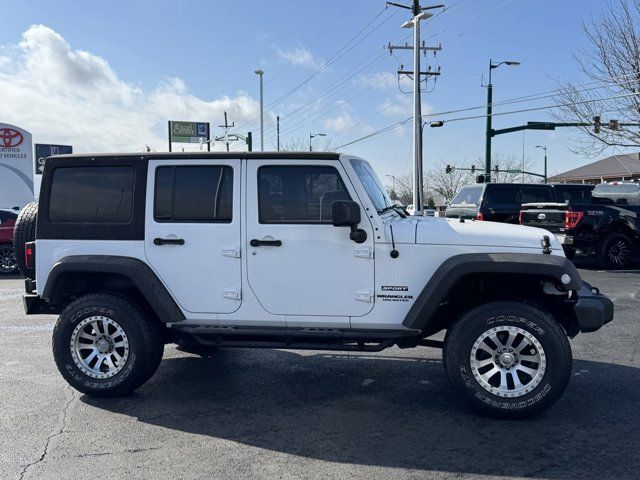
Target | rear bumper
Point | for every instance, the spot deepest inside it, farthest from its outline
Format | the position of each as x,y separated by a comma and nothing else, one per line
34,305
592,310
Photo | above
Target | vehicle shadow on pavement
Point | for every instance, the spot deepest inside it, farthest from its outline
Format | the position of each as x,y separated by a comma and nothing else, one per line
385,410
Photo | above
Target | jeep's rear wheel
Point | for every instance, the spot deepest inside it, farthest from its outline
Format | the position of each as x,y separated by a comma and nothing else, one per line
8,263
508,359
105,345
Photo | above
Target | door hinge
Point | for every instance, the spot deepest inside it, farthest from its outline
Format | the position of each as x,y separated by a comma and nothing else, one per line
364,295
231,252
232,293
363,252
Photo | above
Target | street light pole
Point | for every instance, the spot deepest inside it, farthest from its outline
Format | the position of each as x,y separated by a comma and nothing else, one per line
545,160
261,74
312,136
487,154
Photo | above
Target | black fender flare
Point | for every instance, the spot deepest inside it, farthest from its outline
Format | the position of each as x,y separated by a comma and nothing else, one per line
137,271
456,267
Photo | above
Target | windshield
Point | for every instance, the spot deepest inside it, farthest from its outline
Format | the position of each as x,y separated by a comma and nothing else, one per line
371,183
621,188
467,196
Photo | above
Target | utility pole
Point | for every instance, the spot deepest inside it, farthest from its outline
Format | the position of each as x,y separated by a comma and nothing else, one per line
278,132
544,147
226,127
419,14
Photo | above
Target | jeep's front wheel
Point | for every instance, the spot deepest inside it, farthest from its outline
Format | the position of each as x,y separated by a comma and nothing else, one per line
508,359
104,345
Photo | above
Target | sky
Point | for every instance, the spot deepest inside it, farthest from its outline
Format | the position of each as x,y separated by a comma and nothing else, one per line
107,76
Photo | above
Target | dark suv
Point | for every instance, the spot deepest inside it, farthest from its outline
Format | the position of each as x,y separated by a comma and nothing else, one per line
501,202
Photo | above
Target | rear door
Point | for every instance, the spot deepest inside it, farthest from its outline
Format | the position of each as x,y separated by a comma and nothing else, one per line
299,264
192,231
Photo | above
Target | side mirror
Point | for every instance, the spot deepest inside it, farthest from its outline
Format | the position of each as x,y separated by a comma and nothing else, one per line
347,214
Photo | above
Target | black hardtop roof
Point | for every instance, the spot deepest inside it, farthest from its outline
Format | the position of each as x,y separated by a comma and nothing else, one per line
557,184
200,155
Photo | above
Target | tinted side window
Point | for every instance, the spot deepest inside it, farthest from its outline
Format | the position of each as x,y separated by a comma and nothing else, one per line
534,194
91,194
298,194
503,194
576,195
194,194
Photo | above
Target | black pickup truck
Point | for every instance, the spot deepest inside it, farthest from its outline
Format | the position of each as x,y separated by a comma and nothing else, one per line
501,202
604,224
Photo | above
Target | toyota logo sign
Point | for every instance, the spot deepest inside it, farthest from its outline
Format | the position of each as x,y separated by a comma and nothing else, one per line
10,137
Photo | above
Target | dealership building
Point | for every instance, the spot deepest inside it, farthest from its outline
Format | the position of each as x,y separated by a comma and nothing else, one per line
615,168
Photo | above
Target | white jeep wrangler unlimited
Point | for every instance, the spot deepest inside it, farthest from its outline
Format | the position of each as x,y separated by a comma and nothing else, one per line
291,250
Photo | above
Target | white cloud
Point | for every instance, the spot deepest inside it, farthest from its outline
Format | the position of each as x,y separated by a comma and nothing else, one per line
71,96
340,123
299,57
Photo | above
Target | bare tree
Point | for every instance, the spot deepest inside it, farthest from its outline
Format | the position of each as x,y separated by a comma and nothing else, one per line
512,163
301,145
611,60
446,184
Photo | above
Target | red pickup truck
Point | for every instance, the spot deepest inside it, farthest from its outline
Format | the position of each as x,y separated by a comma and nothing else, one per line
8,263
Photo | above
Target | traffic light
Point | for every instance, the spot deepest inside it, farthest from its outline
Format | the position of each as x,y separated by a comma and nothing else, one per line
614,125
448,169
473,169
480,178
496,169
596,124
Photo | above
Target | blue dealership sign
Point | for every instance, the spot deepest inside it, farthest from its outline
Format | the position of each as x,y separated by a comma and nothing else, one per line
45,150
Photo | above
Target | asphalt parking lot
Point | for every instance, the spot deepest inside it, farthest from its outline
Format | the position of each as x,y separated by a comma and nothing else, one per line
299,414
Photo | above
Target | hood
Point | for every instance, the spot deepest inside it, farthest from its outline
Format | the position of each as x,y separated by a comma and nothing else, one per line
444,231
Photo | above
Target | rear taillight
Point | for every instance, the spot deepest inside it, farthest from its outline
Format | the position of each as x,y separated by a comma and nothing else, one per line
520,217
572,219
30,254
479,216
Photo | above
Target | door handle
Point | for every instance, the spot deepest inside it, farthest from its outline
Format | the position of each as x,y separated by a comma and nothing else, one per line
265,243
168,241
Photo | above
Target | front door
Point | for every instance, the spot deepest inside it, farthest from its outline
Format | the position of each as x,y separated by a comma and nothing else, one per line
192,237
299,264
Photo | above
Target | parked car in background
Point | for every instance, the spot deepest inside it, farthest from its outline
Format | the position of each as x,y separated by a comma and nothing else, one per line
501,202
8,264
427,212
603,224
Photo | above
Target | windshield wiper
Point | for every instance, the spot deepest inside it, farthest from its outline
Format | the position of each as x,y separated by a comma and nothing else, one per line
399,209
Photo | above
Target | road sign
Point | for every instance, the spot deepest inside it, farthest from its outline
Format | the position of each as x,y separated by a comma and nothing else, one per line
188,132
16,167
45,150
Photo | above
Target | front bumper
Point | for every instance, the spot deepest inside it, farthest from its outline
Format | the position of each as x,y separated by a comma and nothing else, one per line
592,310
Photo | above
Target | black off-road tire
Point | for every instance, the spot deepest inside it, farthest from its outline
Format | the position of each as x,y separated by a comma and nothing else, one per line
25,231
465,334
144,337
615,251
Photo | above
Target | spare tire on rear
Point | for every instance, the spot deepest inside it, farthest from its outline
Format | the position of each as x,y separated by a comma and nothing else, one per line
25,231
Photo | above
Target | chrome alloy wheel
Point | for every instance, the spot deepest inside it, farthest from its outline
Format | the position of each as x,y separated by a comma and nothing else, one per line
508,361
7,260
99,347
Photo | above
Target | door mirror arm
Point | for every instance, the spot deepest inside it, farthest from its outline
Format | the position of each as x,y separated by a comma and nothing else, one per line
346,213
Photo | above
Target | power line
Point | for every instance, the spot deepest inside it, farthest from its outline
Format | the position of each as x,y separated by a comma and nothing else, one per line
335,57
474,117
